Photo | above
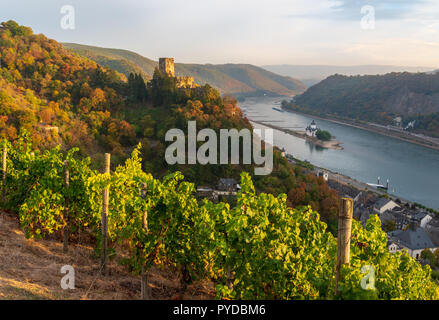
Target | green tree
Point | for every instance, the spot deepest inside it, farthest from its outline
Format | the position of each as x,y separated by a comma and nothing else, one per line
389,225
323,135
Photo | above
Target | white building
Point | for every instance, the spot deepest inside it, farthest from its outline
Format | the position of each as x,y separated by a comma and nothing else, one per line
383,205
324,175
414,240
422,218
312,129
393,247
410,125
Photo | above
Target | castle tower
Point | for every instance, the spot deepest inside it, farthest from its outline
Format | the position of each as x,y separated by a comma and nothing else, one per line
166,66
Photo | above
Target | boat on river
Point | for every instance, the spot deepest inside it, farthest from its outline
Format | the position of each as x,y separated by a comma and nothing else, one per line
379,185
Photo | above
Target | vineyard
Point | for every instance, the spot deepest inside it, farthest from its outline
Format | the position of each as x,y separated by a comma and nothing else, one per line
258,249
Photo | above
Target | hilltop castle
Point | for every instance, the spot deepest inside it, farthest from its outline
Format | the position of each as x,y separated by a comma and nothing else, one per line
167,66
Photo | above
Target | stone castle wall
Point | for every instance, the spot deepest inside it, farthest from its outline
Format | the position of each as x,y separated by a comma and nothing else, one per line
186,82
166,66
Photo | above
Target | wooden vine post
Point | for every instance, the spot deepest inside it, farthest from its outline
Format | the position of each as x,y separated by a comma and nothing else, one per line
105,201
66,211
229,277
4,168
145,291
344,236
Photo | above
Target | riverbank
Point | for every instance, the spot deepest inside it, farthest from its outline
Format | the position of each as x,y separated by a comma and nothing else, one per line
358,186
428,142
411,168
332,144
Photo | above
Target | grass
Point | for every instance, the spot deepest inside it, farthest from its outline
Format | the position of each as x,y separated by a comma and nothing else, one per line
31,270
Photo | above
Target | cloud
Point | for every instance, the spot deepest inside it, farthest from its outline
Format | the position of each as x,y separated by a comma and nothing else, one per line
384,9
245,31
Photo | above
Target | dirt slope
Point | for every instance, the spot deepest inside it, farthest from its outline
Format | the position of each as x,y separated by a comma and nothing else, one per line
31,269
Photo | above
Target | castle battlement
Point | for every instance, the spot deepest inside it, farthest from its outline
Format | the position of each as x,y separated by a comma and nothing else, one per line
167,66
186,82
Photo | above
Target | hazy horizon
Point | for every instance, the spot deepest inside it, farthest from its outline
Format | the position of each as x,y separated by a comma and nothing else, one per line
261,65
279,32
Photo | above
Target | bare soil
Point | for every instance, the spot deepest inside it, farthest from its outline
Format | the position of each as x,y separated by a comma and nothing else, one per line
31,269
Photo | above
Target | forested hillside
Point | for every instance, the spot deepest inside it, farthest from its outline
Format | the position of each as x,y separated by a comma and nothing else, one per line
238,79
62,98
379,99
313,74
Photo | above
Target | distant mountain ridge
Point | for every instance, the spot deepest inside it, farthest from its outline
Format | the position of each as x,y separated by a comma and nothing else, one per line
380,99
312,74
237,79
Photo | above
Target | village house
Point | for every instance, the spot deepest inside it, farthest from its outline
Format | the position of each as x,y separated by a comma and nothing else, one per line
403,217
422,219
323,174
227,188
398,121
399,217
228,185
393,247
207,193
414,240
383,204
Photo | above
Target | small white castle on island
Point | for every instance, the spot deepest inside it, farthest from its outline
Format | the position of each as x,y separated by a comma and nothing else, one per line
312,129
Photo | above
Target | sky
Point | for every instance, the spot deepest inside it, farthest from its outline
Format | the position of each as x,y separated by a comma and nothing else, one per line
261,32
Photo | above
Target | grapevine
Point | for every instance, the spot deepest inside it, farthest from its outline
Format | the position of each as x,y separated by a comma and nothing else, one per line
258,249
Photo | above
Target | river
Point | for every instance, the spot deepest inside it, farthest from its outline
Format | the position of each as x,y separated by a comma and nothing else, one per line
413,170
